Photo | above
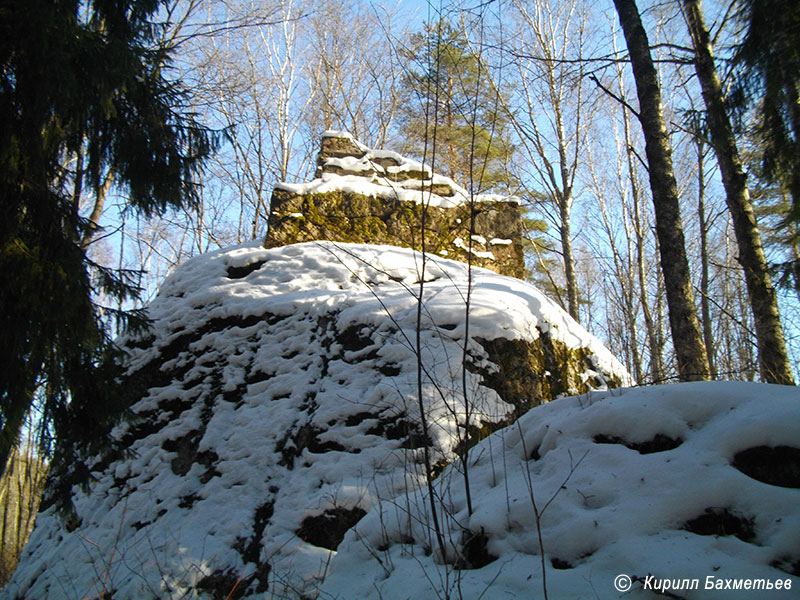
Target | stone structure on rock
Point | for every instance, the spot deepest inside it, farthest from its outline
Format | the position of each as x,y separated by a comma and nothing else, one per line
377,197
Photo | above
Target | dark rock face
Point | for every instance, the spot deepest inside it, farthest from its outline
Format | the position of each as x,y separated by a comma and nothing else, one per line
773,465
340,146
328,529
540,369
374,197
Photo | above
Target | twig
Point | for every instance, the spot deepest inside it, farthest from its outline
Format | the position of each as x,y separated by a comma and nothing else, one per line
614,96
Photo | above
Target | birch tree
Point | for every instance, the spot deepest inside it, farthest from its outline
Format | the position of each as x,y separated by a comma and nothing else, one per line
554,113
355,69
254,87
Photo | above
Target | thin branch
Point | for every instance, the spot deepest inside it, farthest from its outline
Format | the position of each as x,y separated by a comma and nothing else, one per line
614,96
642,162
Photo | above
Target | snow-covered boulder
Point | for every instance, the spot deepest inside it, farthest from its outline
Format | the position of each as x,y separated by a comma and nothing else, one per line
280,395
682,491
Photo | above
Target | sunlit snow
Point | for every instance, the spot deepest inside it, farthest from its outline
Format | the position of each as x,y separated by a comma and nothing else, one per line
277,381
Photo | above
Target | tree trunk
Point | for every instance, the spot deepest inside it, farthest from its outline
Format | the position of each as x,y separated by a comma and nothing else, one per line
656,368
796,269
687,339
772,356
97,211
14,418
569,260
705,308
550,86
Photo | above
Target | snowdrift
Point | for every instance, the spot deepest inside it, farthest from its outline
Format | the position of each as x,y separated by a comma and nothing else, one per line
692,490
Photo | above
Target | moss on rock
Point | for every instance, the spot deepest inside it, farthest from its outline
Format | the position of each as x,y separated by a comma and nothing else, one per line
344,216
485,232
529,373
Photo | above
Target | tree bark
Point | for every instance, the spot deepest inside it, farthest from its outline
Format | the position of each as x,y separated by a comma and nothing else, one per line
569,261
653,344
772,356
705,308
549,84
690,351
97,212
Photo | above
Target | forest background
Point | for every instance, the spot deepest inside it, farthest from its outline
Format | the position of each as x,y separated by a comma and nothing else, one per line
535,99
546,85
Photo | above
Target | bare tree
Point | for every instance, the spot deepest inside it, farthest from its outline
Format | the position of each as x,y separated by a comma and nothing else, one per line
555,111
689,348
355,69
254,88
622,293
20,491
772,355
625,181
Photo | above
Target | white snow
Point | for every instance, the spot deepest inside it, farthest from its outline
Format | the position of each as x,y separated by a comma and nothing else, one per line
259,363
280,384
500,242
459,243
379,185
605,509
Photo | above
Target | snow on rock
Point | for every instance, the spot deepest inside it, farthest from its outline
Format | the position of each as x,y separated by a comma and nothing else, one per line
347,164
677,488
361,195
280,403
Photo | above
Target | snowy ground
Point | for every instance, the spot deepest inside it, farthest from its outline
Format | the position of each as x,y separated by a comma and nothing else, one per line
675,488
280,397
